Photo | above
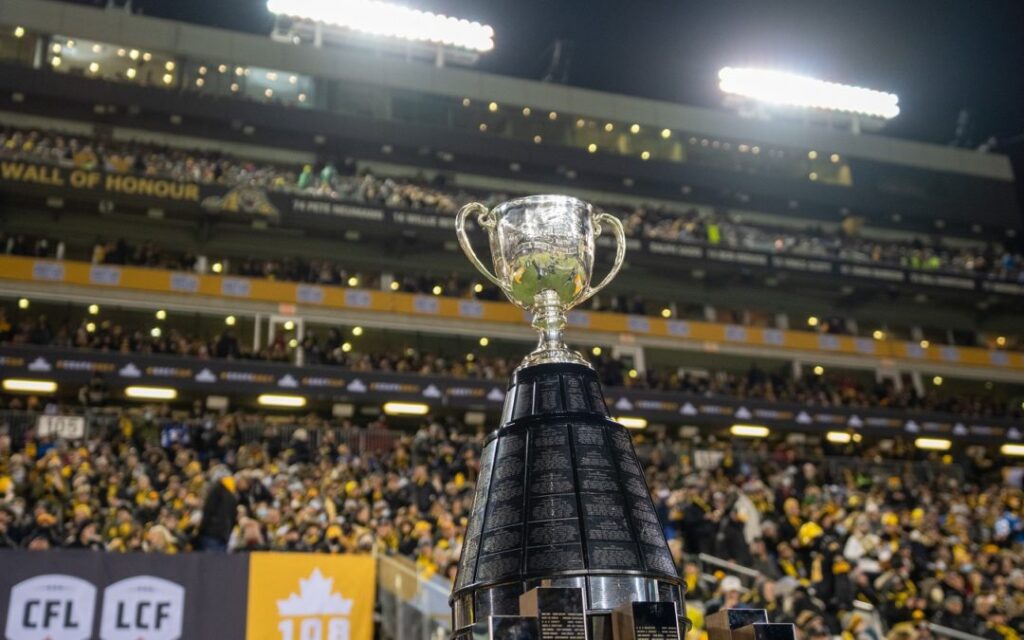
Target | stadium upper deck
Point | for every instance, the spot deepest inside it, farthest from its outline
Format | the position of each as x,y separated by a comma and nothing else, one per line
116,67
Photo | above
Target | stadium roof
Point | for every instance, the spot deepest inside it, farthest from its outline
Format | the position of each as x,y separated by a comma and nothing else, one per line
175,38
940,58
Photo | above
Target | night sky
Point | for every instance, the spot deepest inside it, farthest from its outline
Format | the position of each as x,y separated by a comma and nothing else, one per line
940,56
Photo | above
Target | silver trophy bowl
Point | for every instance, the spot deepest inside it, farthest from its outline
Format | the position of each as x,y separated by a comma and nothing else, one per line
543,252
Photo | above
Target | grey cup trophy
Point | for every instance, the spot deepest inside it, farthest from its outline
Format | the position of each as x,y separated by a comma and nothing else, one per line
543,251
561,503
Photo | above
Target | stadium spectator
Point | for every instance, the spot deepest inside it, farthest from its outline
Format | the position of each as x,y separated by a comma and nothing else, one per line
218,515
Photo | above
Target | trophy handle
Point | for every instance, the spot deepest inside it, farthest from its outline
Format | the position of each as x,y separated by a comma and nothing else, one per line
620,250
486,220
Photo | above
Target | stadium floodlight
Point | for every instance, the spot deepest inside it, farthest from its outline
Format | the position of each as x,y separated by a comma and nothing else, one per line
749,431
279,400
1010,449
838,437
405,408
391,20
151,393
630,422
792,90
30,386
933,444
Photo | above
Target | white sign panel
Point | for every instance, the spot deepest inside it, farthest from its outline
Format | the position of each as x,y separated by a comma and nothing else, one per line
69,427
51,607
143,607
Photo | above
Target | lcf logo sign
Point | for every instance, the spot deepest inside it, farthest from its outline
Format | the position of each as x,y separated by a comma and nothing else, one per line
61,607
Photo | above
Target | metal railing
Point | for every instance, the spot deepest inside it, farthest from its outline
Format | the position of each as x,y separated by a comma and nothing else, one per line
411,606
949,632
19,424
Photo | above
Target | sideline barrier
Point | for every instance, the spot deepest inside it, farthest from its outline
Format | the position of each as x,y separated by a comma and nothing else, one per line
80,595
411,607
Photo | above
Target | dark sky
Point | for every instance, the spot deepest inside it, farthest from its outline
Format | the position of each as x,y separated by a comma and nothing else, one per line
938,55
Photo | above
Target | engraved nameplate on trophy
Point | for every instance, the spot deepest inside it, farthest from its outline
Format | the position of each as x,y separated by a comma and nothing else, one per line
514,628
646,621
765,631
548,396
721,624
559,611
553,532
500,550
471,548
575,393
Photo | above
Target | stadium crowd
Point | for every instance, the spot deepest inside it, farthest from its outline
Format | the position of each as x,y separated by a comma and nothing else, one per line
345,182
326,272
333,348
941,546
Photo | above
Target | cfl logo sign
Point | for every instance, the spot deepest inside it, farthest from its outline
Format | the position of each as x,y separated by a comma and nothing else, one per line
51,607
143,607
61,607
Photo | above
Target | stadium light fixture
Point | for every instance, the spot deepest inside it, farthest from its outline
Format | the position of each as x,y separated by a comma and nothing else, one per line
631,422
793,90
1010,449
749,431
280,400
838,437
30,386
151,393
405,408
390,20
933,444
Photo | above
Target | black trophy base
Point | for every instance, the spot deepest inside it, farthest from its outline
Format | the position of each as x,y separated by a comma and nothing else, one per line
746,624
558,613
561,501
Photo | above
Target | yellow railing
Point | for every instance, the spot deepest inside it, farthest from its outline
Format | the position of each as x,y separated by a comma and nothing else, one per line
41,271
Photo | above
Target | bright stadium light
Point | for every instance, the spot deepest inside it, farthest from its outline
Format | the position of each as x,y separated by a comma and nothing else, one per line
1010,449
631,422
405,408
749,431
933,444
30,386
391,20
280,400
838,437
792,90
151,393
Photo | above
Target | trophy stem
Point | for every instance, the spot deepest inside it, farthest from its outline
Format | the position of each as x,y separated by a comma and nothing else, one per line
549,320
